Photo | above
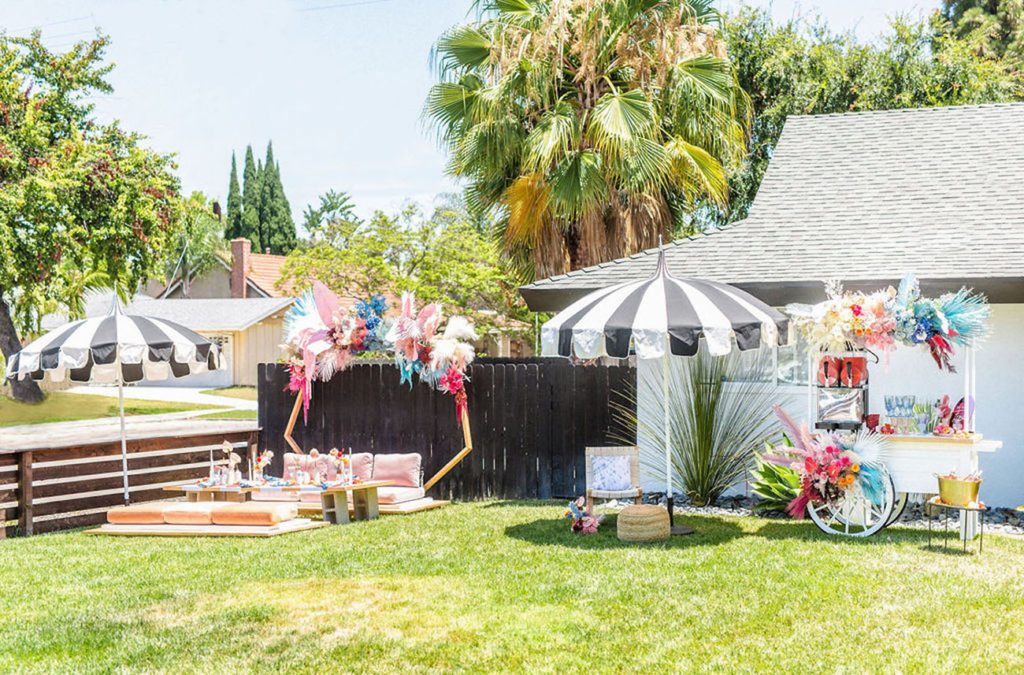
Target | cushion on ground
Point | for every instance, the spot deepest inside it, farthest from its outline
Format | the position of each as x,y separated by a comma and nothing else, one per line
253,513
643,523
309,496
190,513
274,496
398,495
150,513
404,469
362,465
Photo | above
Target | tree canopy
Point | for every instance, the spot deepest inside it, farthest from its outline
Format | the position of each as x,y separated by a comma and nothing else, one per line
588,128
444,258
789,68
77,198
265,215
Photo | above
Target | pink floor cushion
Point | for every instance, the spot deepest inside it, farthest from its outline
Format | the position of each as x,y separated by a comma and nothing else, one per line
293,463
307,496
397,495
404,469
249,513
271,495
150,513
362,465
190,513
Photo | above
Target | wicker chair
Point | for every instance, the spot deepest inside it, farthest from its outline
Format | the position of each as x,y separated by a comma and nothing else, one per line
594,492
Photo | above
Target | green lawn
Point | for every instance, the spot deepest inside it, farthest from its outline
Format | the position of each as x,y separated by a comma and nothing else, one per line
62,407
505,587
247,393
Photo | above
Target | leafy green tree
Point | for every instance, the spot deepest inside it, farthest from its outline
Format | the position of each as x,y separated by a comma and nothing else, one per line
994,29
788,70
251,197
196,247
234,214
79,201
443,259
589,128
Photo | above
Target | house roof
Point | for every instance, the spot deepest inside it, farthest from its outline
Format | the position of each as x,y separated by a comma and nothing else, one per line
862,197
211,315
265,272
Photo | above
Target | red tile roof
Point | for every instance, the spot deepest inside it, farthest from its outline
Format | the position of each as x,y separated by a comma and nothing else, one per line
265,272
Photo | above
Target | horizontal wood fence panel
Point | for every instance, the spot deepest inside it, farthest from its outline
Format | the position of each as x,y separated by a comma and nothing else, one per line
56,488
530,419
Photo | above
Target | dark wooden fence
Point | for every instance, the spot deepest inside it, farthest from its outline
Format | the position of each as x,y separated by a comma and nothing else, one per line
530,420
56,488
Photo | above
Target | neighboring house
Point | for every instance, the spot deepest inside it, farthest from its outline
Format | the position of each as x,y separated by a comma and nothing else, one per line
242,274
866,198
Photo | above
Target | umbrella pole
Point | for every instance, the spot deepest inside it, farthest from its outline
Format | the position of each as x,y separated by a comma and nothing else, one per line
124,437
674,529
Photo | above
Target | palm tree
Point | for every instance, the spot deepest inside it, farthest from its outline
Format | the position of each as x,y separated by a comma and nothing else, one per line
199,241
588,127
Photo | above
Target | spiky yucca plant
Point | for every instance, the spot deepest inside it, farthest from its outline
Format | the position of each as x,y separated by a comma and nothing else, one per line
720,416
588,127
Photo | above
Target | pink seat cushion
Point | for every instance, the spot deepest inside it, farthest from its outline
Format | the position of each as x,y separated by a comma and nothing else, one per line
362,465
404,469
397,495
190,513
294,463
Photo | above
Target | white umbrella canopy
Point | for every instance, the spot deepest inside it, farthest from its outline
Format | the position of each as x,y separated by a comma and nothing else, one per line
658,316
117,348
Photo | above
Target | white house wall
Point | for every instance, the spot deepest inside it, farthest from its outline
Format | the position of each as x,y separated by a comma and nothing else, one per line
1000,405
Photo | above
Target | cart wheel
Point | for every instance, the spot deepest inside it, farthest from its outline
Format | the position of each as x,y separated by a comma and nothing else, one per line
853,514
897,508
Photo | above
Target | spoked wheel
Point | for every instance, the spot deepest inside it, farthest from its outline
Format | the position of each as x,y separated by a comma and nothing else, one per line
897,508
853,514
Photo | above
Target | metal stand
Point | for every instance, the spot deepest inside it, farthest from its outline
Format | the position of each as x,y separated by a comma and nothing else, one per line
965,512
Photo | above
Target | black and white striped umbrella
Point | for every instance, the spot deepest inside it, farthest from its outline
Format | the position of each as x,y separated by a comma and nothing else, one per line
661,315
113,348
661,310
116,348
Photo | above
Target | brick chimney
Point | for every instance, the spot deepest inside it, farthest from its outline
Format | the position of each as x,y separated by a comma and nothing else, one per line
239,266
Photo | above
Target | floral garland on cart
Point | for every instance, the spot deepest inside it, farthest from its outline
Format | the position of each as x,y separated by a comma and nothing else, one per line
829,464
884,319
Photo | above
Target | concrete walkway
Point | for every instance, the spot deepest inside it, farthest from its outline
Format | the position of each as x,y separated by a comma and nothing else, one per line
173,394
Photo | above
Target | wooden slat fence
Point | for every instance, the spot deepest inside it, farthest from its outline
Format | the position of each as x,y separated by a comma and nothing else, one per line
530,419
48,489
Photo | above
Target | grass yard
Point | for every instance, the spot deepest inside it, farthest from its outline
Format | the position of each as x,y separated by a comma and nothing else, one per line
62,407
247,393
505,587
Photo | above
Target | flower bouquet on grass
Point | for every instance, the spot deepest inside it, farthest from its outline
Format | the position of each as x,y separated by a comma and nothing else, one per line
583,521
830,464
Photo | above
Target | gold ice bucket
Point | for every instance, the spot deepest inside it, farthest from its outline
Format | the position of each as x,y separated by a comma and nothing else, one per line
958,492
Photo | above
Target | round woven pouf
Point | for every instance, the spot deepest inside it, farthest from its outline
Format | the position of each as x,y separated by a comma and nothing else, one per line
643,523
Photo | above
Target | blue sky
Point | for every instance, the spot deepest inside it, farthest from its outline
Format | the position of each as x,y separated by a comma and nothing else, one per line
337,84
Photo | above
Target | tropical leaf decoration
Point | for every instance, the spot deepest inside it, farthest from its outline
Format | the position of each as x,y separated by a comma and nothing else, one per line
588,128
777,486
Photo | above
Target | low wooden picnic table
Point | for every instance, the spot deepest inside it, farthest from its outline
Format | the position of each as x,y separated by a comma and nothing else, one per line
216,493
334,501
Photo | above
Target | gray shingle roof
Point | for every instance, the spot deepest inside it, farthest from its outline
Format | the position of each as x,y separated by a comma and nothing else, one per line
864,197
205,315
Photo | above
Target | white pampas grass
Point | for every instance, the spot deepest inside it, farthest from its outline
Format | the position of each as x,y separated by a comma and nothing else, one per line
459,328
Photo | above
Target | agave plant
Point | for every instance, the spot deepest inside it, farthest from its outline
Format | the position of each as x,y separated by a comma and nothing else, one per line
719,417
588,127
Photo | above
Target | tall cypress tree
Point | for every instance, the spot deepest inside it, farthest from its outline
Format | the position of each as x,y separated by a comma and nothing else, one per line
288,237
234,215
275,211
251,201
261,211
